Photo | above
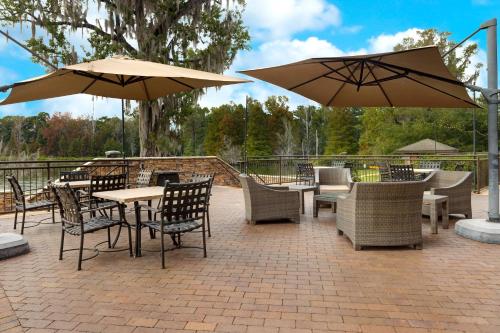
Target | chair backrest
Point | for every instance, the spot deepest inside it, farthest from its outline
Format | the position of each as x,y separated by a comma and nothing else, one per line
107,183
304,173
402,173
338,163
389,200
53,189
71,209
333,176
144,177
200,177
383,170
71,176
17,190
436,165
442,178
184,200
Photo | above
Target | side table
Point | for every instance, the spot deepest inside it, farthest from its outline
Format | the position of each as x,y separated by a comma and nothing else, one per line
436,202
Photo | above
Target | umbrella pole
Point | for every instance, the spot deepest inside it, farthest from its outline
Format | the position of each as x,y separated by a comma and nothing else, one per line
123,129
493,197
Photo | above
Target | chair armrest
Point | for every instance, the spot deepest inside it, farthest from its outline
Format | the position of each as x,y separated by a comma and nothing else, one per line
149,208
277,187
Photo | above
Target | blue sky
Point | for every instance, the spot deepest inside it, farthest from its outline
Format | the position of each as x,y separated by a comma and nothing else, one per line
283,31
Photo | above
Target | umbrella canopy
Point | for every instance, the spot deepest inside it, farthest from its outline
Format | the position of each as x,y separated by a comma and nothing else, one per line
410,78
116,77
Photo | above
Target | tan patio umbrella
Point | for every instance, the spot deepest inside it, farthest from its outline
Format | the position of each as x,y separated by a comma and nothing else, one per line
410,78
116,77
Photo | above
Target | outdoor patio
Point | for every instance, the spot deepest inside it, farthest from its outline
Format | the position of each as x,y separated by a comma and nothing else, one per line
276,277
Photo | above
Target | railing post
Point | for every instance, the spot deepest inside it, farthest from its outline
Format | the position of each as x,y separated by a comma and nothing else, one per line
48,171
280,161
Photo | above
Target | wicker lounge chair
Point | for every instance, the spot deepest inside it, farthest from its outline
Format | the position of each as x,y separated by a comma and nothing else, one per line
456,185
333,179
263,203
382,214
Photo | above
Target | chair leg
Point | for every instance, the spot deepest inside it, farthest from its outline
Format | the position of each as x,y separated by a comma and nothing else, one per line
61,250
53,214
204,241
418,246
109,238
15,220
162,249
117,236
80,254
208,223
357,247
340,232
129,239
22,222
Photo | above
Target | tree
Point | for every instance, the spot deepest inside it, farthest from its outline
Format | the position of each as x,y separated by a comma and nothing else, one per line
341,132
258,136
199,34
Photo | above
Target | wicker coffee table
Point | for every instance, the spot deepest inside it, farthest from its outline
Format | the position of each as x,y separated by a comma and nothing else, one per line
326,198
302,189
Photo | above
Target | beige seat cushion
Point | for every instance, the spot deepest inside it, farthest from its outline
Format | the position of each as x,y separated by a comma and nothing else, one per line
334,188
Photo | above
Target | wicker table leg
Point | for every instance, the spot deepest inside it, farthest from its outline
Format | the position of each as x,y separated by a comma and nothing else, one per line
434,218
444,213
315,208
302,201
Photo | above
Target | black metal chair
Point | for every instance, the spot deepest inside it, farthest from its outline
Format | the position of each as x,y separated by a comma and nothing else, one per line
101,184
198,177
304,174
383,170
183,209
74,223
72,176
402,173
23,204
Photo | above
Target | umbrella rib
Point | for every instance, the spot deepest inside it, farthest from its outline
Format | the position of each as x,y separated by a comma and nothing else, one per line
440,90
146,89
137,79
429,86
180,82
414,71
96,77
332,70
379,85
336,70
90,85
342,86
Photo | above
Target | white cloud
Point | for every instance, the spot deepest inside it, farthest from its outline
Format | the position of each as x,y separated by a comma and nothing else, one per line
283,18
83,105
386,42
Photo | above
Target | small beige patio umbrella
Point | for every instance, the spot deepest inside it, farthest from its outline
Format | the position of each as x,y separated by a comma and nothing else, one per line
116,77
410,78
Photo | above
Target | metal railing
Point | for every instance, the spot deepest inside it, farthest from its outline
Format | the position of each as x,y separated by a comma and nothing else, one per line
364,168
33,175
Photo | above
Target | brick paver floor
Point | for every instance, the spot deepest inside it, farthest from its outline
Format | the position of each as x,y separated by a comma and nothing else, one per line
275,277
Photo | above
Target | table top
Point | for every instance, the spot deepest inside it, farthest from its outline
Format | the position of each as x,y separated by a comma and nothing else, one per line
417,170
302,187
329,196
73,184
434,197
132,194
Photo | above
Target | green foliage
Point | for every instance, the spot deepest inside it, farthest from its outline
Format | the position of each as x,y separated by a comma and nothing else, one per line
342,134
198,34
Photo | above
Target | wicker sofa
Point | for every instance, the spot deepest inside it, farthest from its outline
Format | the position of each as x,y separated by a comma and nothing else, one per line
382,214
264,203
333,179
456,185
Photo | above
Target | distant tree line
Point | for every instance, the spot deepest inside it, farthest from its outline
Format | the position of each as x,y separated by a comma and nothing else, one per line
273,128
